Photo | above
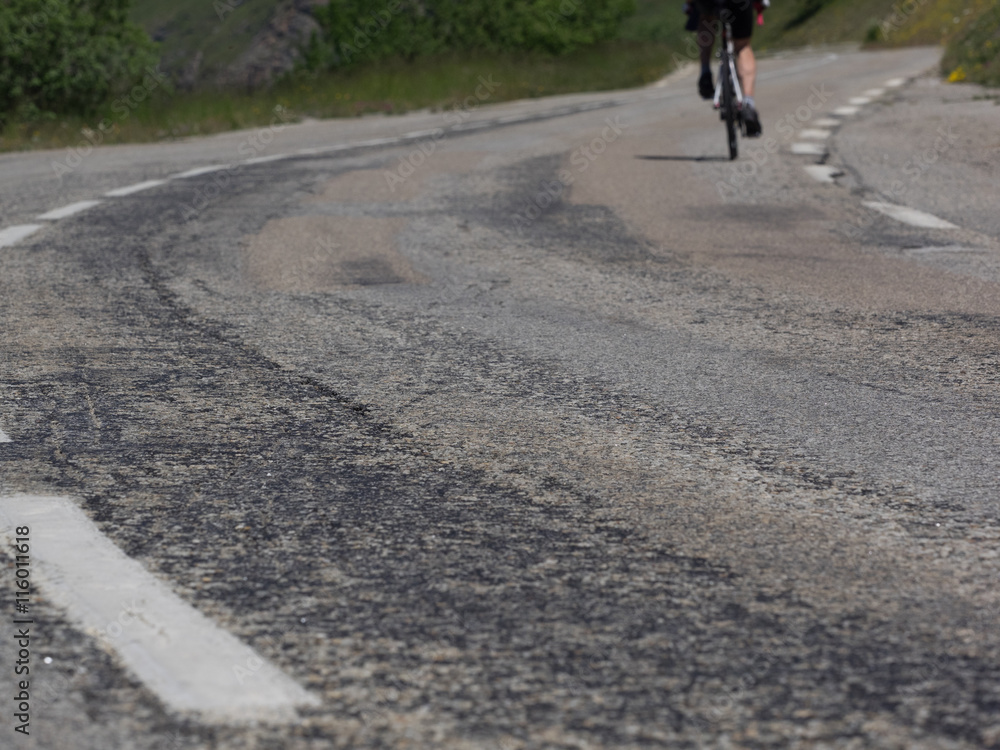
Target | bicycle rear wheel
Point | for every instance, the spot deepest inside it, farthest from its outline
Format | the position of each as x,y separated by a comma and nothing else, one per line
729,110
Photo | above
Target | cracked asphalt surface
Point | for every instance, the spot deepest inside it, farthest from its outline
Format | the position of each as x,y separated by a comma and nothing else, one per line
536,450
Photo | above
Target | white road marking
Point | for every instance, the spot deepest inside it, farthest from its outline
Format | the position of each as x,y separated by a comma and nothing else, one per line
894,83
823,173
874,93
910,216
859,101
376,142
199,171
945,249
73,208
138,187
13,235
265,159
826,122
4,437
421,133
846,111
814,134
187,660
809,149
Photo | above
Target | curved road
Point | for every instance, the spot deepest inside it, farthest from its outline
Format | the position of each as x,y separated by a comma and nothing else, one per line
551,428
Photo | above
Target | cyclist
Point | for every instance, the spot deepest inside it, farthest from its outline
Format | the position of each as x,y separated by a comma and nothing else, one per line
740,14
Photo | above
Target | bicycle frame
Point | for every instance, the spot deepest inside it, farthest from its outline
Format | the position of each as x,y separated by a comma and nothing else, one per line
727,68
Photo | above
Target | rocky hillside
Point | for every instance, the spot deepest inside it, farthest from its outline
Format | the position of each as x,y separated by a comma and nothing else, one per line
241,44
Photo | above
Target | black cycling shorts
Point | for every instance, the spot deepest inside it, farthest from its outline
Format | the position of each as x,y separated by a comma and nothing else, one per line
742,15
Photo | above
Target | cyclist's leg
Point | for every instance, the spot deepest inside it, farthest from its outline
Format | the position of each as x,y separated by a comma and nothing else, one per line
746,65
706,43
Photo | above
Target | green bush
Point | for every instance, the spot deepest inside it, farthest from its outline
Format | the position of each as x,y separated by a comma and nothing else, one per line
370,30
974,54
60,57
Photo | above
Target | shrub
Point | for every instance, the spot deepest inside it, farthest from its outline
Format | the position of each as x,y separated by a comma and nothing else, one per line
60,57
369,30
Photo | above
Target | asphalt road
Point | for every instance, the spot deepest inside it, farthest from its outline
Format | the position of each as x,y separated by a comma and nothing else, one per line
557,430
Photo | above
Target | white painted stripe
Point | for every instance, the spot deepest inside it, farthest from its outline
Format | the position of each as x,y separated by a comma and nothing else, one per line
421,133
73,208
13,235
846,111
265,159
894,83
809,149
199,171
823,173
874,93
376,142
814,134
138,187
826,122
859,101
473,125
4,437
910,216
188,661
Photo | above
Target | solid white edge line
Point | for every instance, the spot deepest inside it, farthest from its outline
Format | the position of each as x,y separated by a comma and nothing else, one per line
4,437
13,235
138,187
911,216
189,662
199,171
61,213
814,134
808,149
823,173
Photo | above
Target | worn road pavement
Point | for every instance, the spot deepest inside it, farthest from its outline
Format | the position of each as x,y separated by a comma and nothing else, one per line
566,433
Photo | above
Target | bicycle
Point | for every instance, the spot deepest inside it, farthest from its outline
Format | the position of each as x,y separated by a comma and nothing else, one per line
728,93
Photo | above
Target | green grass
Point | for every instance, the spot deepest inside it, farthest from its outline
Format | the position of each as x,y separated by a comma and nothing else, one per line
391,87
973,54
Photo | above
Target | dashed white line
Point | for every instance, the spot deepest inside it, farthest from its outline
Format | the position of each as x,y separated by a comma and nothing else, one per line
808,149
894,83
199,171
187,660
814,134
136,188
265,159
73,208
823,173
874,93
4,437
846,111
910,216
826,122
13,235
859,101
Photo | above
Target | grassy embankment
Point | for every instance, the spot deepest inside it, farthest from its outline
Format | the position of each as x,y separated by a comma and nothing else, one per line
648,46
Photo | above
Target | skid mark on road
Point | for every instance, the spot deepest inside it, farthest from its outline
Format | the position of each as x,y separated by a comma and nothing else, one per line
190,663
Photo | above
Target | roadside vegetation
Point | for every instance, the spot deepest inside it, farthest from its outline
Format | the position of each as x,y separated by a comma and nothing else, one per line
407,60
